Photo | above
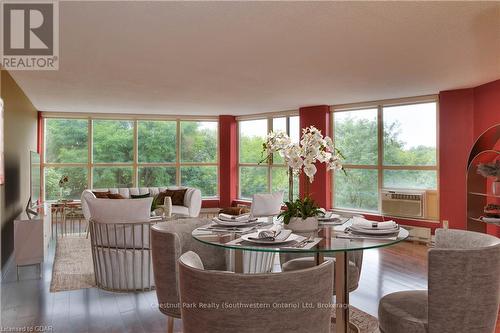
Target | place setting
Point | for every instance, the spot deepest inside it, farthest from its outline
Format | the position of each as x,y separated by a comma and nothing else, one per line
241,223
330,218
276,235
367,229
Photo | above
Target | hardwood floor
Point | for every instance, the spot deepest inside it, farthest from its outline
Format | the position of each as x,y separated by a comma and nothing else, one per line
28,302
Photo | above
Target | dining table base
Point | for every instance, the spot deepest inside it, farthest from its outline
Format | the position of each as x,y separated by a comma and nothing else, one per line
342,323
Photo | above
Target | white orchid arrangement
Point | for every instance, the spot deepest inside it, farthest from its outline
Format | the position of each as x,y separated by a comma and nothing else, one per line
313,147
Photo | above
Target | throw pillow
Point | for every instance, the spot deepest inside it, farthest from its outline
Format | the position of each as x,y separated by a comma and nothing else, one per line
140,196
115,196
176,195
234,210
101,195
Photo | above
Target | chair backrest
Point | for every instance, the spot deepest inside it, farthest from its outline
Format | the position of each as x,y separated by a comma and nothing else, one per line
121,223
271,302
169,240
464,282
120,210
266,204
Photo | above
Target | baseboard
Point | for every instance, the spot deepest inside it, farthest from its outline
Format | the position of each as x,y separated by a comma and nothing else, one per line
8,265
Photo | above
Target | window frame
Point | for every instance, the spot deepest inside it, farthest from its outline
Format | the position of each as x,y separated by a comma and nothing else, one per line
379,166
135,164
269,165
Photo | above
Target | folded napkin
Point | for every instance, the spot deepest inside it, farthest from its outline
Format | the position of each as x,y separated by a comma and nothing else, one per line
236,218
272,234
359,222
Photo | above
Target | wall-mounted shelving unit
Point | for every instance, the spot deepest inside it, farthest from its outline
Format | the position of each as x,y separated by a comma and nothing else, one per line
479,189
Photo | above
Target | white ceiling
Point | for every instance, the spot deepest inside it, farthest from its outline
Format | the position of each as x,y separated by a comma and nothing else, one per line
210,58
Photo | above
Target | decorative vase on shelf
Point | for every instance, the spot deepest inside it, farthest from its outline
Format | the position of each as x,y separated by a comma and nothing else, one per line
297,224
168,206
495,187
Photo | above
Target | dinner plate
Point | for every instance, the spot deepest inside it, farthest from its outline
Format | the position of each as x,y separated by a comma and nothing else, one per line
233,223
374,231
290,238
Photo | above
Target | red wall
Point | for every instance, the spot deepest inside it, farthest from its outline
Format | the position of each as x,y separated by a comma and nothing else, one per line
320,188
455,140
463,116
228,160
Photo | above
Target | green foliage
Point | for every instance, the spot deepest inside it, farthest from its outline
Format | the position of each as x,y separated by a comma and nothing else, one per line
157,141
202,177
113,141
198,144
66,141
105,177
302,208
156,176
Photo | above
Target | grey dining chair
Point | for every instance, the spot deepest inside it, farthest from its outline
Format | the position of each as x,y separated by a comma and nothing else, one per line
464,289
353,272
169,240
277,299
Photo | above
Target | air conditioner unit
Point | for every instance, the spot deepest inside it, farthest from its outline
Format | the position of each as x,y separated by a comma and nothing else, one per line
403,203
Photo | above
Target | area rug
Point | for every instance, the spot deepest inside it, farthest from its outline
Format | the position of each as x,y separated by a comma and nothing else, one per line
73,268
365,322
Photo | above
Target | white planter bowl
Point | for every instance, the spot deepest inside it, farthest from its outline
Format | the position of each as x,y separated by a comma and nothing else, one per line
297,224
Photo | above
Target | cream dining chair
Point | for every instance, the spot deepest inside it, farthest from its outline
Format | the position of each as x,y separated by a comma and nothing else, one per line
464,289
263,205
278,299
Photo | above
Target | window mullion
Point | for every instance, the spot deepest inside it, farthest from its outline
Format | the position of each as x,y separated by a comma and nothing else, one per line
380,143
90,157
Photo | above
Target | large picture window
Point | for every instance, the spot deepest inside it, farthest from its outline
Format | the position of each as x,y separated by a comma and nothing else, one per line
268,176
100,153
386,147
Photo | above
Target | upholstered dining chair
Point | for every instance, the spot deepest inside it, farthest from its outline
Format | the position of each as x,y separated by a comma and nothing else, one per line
464,289
120,243
169,240
263,205
303,261
244,303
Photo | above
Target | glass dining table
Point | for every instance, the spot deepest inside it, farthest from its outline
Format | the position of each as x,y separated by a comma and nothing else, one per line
331,240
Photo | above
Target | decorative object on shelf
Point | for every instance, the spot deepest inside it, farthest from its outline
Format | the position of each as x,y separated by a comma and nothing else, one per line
301,215
491,170
492,210
62,183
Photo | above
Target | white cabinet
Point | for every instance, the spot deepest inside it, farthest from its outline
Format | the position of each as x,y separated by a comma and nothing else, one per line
31,238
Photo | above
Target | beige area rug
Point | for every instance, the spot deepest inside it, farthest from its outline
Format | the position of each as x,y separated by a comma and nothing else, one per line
73,268
365,322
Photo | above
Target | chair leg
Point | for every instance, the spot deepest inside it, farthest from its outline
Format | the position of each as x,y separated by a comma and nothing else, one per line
170,325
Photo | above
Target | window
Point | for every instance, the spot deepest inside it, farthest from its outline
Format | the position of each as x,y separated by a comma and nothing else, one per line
198,158
126,153
66,154
268,176
386,146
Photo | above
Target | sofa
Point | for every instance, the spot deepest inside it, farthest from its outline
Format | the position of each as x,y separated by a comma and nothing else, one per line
191,207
